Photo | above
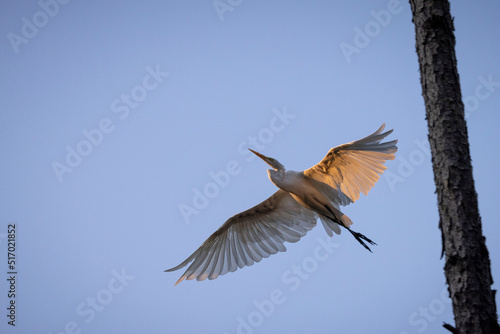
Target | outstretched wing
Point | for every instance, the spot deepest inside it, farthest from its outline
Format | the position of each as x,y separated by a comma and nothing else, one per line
249,236
354,167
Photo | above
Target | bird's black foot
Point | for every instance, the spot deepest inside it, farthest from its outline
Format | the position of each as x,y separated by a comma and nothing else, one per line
360,237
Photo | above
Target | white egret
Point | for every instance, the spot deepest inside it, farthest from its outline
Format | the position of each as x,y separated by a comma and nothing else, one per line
293,210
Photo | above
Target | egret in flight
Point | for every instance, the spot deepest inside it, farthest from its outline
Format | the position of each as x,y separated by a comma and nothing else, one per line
303,197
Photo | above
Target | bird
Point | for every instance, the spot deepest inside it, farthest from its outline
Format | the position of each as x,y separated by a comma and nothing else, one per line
302,198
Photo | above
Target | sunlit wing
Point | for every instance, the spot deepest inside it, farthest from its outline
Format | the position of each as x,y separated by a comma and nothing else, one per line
250,236
354,167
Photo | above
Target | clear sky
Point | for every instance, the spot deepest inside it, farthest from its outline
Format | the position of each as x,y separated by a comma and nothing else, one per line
123,136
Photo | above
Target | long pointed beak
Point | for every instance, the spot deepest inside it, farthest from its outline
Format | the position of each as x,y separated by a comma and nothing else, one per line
270,161
262,156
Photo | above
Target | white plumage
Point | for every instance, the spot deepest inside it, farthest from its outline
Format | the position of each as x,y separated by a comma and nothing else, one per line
318,192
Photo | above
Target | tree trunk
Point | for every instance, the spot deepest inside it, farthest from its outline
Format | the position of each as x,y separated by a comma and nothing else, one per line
467,267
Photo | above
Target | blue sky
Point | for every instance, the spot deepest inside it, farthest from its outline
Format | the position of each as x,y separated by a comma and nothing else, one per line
123,135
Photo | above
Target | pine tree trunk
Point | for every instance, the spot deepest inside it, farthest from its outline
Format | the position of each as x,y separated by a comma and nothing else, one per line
467,267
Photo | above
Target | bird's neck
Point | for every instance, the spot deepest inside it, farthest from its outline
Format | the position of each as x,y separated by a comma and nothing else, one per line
283,179
277,176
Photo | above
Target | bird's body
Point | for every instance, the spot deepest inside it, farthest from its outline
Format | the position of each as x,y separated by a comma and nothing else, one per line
293,210
309,193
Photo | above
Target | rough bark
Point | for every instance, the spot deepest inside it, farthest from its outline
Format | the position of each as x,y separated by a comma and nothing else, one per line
467,266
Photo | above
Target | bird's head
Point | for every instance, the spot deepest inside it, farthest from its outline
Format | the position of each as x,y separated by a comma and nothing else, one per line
275,164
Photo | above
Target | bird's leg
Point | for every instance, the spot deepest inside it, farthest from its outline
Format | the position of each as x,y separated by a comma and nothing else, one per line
360,237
